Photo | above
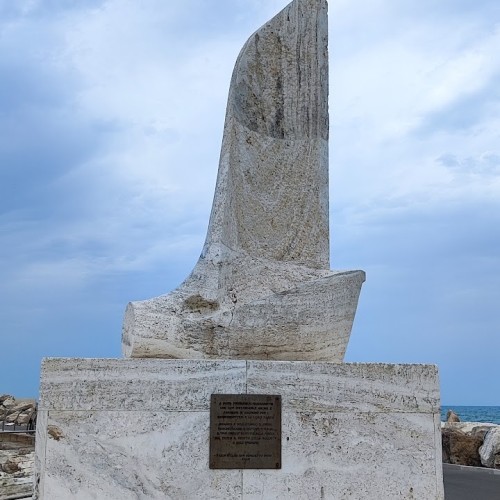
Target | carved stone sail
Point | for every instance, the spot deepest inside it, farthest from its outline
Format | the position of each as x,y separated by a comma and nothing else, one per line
262,288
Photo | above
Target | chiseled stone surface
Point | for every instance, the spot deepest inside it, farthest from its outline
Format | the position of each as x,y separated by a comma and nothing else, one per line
137,384
351,455
40,452
336,386
343,435
262,288
111,455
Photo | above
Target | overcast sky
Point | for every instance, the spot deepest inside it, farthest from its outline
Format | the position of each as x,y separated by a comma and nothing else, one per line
111,116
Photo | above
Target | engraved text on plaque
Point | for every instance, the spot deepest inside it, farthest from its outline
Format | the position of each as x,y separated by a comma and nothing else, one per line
245,431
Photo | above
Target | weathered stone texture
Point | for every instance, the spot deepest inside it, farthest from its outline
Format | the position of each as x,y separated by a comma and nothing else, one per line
16,470
136,385
460,448
490,450
349,430
262,288
15,413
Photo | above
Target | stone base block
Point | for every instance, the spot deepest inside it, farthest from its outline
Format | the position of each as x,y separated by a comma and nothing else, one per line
139,429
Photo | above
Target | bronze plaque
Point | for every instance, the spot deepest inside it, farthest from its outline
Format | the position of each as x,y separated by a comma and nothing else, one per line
245,431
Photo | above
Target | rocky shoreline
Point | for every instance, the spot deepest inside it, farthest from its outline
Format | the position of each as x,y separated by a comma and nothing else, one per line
475,444
17,413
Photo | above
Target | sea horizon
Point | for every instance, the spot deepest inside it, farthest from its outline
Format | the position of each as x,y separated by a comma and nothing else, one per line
473,413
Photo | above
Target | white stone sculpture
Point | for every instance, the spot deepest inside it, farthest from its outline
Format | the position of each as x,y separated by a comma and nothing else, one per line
262,288
137,428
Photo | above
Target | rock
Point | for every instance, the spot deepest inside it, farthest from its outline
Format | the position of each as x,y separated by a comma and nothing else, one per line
470,428
262,288
24,418
8,403
19,412
490,450
460,448
11,466
24,412
451,416
3,397
55,433
12,418
16,470
23,406
480,431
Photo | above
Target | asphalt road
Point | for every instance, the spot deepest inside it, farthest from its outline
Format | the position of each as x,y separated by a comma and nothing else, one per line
470,483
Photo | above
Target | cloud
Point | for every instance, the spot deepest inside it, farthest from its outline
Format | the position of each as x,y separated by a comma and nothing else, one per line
430,294
467,111
488,163
91,165
111,116
41,9
398,108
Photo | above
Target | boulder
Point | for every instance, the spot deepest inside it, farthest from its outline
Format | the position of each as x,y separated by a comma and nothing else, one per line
16,471
24,418
451,416
12,418
16,412
481,430
23,406
3,397
8,402
470,428
490,450
460,448
11,466
21,414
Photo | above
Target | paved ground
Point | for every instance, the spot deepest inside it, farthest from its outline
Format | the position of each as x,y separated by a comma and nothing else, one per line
471,483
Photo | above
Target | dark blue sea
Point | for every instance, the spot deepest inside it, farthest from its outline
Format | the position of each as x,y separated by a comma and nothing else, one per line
489,414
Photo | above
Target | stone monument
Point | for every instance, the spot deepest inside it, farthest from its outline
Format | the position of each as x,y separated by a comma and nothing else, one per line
262,288
250,397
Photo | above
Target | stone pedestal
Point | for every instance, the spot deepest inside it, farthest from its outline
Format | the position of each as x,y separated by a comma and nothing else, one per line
139,429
